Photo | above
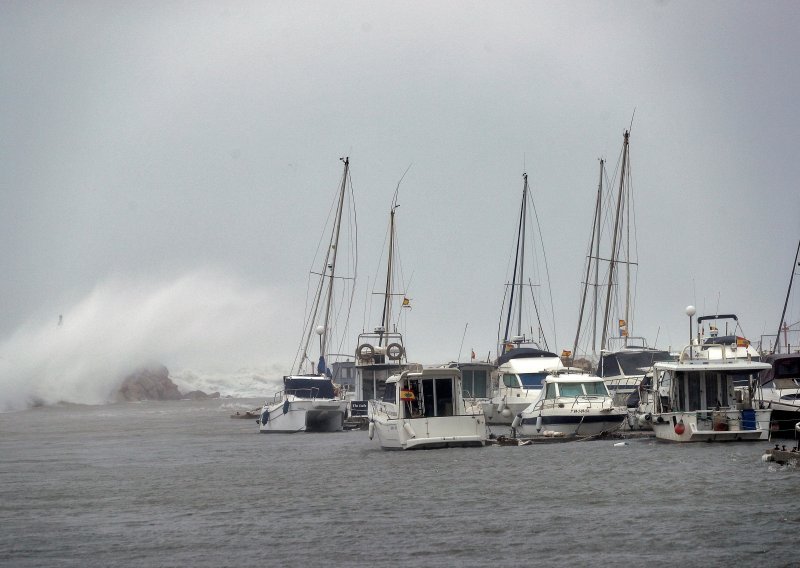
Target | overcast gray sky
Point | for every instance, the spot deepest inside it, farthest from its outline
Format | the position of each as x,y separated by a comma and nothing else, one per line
147,141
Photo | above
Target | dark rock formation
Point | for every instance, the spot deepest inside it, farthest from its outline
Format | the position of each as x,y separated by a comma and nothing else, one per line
148,383
200,395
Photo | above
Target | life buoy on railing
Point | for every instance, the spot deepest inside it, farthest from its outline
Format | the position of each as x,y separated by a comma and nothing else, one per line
365,351
394,351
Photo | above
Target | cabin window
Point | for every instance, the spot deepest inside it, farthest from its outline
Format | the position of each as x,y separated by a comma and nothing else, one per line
532,380
713,399
694,395
510,380
473,383
680,399
595,388
390,393
437,397
570,389
551,391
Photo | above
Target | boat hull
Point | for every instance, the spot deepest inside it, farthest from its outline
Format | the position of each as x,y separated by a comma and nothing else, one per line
303,415
570,424
429,433
722,426
503,411
783,421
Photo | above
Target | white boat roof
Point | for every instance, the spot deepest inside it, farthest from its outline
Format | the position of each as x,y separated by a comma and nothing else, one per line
573,377
728,366
425,373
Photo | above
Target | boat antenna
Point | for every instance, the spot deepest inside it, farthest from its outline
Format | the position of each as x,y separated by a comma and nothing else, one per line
786,303
460,347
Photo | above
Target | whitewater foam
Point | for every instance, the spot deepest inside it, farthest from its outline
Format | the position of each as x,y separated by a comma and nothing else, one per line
210,330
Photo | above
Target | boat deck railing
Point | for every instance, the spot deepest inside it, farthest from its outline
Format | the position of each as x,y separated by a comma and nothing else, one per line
595,402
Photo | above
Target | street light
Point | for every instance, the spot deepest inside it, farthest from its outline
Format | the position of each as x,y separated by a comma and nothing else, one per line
690,311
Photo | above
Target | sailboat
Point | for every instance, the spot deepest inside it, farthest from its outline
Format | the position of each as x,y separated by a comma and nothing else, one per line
381,352
312,401
624,359
522,361
780,385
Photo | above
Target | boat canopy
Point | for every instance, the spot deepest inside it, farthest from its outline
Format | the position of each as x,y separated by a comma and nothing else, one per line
523,353
634,362
785,368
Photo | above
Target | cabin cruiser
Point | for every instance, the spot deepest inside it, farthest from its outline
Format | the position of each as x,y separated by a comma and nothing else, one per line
780,391
519,377
424,409
695,398
571,403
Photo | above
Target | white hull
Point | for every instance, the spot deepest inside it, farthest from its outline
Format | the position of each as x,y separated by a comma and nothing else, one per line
502,410
428,433
303,415
591,423
722,426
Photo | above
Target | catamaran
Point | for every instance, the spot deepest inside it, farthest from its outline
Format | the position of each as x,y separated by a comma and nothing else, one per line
313,401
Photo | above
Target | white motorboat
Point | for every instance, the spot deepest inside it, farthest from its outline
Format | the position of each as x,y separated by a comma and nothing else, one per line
519,377
696,399
572,403
312,401
422,410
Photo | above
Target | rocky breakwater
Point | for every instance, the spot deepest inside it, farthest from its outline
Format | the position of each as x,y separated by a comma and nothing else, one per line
153,383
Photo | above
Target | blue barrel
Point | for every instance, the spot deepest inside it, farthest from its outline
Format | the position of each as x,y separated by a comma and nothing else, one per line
748,419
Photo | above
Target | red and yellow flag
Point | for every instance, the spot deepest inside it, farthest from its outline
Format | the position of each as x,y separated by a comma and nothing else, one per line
407,394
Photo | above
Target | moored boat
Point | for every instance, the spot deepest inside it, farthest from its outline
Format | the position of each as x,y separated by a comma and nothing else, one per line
424,409
700,396
572,403
522,358
519,377
312,402
780,391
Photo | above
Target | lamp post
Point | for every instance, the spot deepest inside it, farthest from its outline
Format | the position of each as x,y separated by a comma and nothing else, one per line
690,311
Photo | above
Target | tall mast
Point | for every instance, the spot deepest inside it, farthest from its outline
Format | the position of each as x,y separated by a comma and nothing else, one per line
613,260
522,253
597,220
387,297
786,303
592,259
520,234
627,206
335,249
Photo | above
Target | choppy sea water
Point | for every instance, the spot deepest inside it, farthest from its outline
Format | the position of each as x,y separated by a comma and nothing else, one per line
182,484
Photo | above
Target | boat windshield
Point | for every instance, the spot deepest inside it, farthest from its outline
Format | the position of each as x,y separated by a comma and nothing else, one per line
593,388
532,380
309,388
634,362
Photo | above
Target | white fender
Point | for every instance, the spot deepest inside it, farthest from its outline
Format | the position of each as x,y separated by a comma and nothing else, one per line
409,430
506,412
517,421
371,430
539,423
502,406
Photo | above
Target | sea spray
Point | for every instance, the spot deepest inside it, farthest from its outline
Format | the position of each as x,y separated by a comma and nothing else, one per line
210,324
